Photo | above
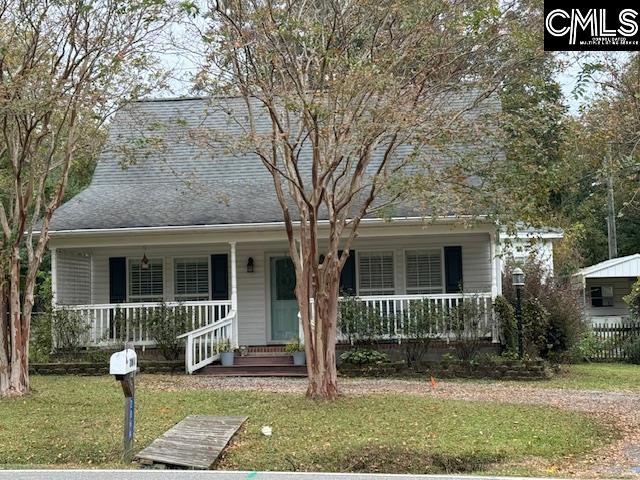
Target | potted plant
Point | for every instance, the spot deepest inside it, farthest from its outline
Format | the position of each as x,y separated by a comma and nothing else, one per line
226,353
295,348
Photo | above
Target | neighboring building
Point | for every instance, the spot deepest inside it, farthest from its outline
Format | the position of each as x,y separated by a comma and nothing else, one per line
604,285
531,242
200,228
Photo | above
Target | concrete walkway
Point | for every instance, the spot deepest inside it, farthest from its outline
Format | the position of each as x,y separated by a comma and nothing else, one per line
216,475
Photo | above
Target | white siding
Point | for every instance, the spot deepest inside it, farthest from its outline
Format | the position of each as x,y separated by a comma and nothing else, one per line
253,298
621,288
73,282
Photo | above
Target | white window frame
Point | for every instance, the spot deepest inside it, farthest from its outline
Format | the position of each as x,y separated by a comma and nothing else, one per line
144,298
415,290
375,292
190,297
603,297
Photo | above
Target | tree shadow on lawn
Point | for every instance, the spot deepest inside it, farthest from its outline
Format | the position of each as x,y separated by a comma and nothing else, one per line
389,459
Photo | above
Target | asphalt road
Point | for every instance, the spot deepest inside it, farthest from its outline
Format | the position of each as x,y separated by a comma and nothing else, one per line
215,475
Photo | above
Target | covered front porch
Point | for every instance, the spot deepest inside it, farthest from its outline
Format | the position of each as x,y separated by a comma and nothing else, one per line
242,291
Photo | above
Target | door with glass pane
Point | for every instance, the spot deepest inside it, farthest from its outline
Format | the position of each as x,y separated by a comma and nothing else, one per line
284,307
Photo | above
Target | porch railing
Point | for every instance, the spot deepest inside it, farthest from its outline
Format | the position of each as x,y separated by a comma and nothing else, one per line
203,344
132,322
390,316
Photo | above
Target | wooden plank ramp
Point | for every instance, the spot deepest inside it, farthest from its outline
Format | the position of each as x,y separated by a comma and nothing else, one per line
194,443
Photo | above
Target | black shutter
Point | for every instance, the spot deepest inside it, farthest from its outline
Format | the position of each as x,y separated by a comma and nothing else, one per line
348,275
219,277
453,269
117,279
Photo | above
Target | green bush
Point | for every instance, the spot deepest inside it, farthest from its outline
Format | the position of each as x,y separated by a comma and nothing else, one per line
633,300
586,348
506,317
535,322
364,356
41,339
165,326
632,351
417,324
552,312
359,323
465,320
69,330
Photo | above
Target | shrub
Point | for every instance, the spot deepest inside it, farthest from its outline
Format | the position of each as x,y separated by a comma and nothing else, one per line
633,300
586,348
41,340
632,350
358,322
554,320
69,330
165,326
364,356
535,321
506,317
465,319
294,346
417,324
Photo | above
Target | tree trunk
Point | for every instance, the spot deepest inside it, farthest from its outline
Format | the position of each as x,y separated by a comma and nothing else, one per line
18,365
4,335
321,353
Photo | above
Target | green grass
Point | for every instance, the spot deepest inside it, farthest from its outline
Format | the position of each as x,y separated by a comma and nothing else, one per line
76,421
599,376
612,377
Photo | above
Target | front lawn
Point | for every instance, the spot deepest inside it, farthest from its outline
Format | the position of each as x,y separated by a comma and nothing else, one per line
598,376
76,421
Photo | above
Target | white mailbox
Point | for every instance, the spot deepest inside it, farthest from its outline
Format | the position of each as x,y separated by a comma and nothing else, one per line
124,362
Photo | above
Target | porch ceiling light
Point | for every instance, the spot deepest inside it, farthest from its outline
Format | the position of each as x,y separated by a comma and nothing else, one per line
250,265
517,277
144,263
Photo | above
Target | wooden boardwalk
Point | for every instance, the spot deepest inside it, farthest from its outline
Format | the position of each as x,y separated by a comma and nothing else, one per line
196,442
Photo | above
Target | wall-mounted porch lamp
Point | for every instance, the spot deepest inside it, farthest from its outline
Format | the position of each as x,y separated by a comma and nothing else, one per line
517,280
250,265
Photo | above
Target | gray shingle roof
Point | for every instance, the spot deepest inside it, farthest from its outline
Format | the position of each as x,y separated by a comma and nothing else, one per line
172,163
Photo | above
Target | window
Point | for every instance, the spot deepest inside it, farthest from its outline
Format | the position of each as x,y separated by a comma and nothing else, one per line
375,275
602,296
424,271
145,284
191,279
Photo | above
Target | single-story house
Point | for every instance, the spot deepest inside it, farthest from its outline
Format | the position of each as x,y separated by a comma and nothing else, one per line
528,242
604,285
171,218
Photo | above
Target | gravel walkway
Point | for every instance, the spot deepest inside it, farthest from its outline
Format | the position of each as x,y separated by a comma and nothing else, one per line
620,410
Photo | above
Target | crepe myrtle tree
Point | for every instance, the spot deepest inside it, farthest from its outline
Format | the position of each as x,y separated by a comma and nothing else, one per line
63,67
339,96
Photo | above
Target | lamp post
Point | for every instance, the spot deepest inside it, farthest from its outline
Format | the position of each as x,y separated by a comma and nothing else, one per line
517,280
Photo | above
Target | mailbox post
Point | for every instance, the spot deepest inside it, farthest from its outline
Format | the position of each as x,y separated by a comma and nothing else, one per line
124,366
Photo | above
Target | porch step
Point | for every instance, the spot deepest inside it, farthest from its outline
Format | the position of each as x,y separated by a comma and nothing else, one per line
264,360
253,370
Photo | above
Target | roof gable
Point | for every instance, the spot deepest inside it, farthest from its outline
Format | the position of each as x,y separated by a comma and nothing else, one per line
628,266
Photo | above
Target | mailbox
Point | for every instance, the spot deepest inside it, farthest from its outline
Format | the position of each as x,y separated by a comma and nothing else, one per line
124,362
124,366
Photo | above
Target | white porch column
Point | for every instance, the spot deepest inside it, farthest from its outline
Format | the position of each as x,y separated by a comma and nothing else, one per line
496,288
234,294
54,277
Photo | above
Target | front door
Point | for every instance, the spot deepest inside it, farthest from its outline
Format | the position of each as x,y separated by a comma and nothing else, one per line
284,307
